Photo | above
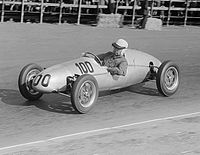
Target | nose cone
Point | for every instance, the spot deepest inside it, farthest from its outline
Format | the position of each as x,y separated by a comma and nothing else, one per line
48,82
41,83
54,78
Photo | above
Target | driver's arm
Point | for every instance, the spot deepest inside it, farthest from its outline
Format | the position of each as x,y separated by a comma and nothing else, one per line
121,69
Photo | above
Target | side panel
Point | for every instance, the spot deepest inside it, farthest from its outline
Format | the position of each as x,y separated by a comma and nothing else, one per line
138,65
140,59
107,81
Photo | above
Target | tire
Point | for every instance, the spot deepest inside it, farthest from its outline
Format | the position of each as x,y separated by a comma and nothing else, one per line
84,93
26,76
168,78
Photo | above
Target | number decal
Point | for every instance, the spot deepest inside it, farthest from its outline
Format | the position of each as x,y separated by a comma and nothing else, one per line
77,65
89,66
85,67
37,80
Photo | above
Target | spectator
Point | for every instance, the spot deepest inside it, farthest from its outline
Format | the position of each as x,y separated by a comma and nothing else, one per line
111,6
145,13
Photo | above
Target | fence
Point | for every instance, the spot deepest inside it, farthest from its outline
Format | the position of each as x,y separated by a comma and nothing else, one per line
181,11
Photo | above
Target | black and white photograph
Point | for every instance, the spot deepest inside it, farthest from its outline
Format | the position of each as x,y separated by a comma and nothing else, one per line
100,77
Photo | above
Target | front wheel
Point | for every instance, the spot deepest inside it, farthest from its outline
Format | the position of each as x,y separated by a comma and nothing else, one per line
26,76
168,78
85,92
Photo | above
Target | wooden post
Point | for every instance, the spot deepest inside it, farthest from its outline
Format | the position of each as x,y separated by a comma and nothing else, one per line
133,15
152,8
2,11
79,12
41,11
60,14
186,12
116,8
22,12
169,12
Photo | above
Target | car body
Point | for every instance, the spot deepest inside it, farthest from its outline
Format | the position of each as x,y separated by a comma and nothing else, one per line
83,78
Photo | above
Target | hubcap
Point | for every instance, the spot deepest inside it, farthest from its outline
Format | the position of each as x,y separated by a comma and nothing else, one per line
171,78
29,80
87,93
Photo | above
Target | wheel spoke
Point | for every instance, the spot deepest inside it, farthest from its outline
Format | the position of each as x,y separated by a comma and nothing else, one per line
86,93
171,78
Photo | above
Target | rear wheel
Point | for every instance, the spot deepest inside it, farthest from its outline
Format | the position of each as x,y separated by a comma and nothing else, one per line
85,92
26,76
168,78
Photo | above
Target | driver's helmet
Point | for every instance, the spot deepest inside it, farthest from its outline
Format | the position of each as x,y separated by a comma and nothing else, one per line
120,44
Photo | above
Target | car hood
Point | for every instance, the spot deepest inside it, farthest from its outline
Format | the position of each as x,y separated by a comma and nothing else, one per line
54,78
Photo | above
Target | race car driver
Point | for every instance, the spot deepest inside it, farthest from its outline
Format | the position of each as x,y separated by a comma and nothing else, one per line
116,61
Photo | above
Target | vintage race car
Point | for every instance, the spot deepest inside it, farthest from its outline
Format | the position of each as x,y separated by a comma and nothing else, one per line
83,78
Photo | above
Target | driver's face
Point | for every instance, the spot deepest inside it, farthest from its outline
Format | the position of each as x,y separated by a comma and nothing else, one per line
117,51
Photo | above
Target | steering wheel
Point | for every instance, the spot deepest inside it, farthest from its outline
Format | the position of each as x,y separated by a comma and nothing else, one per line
96,58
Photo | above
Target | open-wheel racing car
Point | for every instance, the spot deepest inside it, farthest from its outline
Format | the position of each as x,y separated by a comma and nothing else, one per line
83,78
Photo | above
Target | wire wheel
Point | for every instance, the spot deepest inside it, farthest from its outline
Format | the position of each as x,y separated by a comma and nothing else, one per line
168,78
25,80
84,93
171,78
87,93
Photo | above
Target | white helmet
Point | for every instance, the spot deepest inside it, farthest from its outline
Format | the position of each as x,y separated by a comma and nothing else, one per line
120,44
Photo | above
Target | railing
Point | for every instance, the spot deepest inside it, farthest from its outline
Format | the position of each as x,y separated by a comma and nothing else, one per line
164,9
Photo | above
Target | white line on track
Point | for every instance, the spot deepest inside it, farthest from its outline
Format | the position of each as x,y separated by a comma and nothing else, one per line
99,130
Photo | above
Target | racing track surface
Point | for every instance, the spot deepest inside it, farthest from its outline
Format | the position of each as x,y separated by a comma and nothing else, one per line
149,129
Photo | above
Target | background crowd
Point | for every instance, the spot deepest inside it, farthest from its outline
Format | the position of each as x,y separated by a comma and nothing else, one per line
111,7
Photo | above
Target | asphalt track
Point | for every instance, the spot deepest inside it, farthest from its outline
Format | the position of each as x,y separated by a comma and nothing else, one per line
136,119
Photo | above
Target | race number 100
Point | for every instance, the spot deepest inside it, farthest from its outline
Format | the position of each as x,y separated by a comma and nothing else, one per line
85,67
